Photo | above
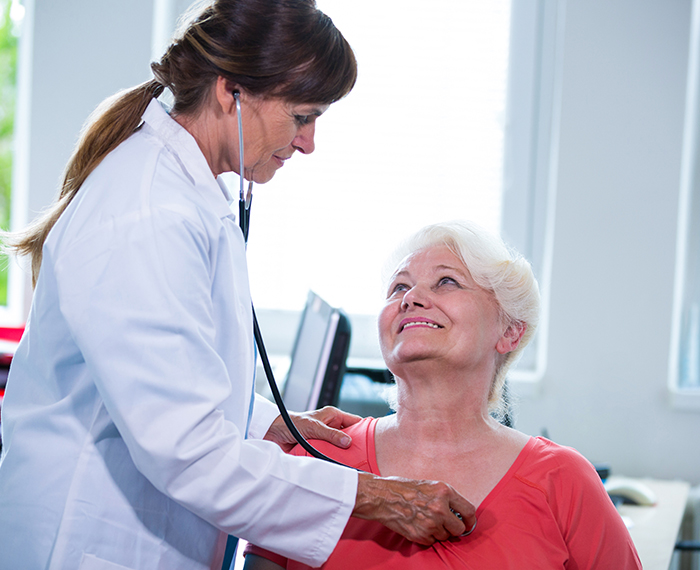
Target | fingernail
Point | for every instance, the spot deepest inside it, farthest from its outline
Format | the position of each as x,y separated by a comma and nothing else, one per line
345,441
471,530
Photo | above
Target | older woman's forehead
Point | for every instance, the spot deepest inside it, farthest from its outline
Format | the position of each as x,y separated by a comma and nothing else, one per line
436,258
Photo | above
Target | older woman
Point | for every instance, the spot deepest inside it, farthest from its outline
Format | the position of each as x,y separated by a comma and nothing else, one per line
128,422
460,308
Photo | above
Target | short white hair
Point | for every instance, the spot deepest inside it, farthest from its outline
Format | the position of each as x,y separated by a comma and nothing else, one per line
495,267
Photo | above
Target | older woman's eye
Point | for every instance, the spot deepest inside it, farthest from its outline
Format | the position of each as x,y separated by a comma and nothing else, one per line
448,281
398,288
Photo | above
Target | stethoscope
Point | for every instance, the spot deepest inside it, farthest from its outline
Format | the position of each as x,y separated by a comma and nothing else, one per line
244,202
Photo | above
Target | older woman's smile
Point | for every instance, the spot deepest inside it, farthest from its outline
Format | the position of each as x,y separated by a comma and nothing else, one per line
418,322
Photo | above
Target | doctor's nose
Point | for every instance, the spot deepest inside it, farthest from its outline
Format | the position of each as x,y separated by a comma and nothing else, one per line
304,141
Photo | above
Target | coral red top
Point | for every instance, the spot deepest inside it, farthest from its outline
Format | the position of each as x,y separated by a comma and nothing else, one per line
550,510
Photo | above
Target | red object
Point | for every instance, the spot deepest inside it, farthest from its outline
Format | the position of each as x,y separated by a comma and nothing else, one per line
11,333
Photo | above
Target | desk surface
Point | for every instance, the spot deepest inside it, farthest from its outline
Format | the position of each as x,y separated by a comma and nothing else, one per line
655,529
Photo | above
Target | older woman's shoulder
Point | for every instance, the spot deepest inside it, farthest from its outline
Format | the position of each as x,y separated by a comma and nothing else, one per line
554,468
545,452
360,455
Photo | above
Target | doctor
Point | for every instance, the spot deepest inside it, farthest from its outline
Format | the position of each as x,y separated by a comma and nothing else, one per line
129,431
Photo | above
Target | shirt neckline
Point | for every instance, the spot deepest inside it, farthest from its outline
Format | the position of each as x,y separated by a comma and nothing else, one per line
493,493
519,460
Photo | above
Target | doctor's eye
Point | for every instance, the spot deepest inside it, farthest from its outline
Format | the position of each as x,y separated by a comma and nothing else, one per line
302,120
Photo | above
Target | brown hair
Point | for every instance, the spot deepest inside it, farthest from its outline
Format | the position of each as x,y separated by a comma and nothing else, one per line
271,48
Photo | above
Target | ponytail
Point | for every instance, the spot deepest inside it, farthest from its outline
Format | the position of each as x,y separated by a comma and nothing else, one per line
107,127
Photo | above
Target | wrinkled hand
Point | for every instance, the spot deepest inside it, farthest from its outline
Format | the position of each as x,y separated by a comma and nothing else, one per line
322,424
417,510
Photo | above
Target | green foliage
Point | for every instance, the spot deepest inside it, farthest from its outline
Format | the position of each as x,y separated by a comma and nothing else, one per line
8,95
8,72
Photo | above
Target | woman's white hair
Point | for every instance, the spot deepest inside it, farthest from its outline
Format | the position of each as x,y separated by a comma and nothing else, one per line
496,268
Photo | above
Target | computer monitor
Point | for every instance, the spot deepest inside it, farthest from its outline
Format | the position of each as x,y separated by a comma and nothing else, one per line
318,358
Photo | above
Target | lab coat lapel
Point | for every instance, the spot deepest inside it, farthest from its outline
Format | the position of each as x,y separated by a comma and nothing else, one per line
185,147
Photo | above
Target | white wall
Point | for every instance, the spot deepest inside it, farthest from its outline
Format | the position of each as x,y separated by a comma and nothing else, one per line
622,112
77,62
624,77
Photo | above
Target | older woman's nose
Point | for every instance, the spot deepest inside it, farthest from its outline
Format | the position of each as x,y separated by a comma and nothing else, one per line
304,141
414,297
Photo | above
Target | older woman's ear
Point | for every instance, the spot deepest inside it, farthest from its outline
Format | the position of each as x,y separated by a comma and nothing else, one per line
510,339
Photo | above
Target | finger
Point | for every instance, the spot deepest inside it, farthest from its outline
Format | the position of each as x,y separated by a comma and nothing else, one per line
430,531
349,419
317,430
336,418
311,427
465,512
446,522
452,525
460,505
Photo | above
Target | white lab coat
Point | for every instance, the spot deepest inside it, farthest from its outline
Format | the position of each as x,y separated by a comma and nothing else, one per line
129,396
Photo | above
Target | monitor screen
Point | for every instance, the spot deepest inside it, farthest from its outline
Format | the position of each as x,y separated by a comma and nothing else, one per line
318,358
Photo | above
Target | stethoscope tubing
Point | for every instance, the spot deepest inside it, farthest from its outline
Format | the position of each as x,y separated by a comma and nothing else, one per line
244,204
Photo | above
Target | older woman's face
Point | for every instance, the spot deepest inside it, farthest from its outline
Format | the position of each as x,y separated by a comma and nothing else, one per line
435,311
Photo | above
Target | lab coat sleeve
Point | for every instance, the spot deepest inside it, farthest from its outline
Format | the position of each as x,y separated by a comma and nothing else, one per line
264,413
137,297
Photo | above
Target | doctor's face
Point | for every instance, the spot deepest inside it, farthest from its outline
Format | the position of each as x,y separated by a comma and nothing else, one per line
273,129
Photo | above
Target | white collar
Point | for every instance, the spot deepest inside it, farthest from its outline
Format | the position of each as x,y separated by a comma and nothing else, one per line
179,141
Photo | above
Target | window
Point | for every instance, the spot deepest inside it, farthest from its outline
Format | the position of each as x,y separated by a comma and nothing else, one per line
11,13
684,373
530,156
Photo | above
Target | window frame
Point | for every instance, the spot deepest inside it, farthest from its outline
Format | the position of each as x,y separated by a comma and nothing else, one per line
687,268
531,159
